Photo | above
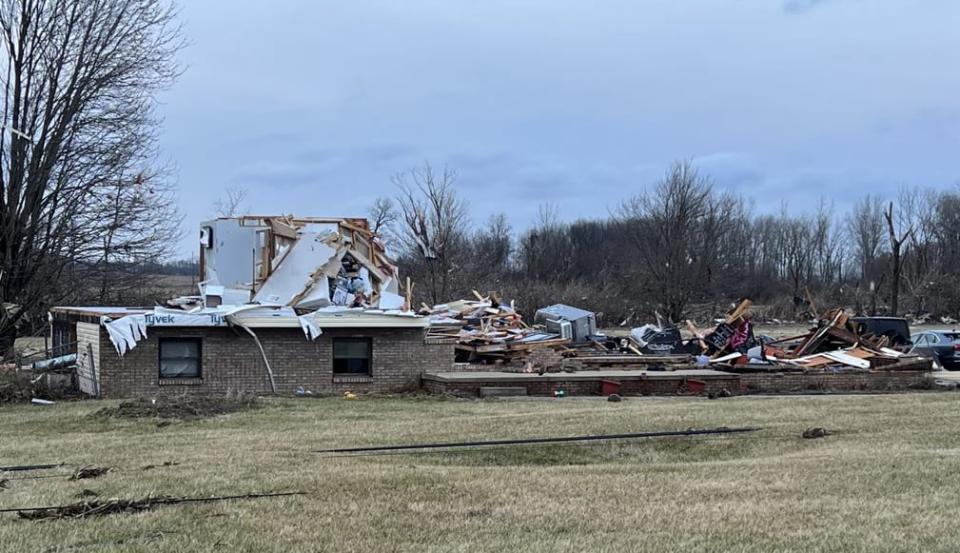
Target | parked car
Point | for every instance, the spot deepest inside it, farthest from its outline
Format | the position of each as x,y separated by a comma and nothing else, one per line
894,328
943,346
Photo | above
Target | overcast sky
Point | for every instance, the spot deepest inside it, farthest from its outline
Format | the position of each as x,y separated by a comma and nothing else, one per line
313,105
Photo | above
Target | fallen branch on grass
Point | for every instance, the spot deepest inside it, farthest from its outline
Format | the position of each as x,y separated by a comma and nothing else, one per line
83,473
165,464
96,507
635,435
30,467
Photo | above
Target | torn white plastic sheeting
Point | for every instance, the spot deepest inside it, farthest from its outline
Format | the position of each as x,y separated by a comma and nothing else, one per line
364,275
125,332
389,300
310,328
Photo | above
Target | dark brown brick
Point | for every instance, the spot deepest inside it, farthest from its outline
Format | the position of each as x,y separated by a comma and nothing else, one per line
232,362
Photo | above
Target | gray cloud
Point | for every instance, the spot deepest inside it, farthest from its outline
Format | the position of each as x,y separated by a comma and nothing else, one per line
560,102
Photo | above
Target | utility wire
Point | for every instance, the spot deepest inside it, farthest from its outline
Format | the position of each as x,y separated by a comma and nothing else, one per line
524,441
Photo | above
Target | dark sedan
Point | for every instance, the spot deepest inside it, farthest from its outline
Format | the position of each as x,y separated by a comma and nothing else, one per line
941,345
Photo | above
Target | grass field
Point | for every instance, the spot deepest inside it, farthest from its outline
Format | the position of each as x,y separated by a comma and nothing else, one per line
888,480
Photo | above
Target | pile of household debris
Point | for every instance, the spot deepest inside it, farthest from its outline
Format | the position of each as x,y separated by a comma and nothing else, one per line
834,344
485,329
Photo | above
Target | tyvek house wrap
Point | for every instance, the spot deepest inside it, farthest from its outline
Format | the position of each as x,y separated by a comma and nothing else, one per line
126,331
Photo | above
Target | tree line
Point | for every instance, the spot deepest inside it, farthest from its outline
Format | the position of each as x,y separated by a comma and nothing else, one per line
682,248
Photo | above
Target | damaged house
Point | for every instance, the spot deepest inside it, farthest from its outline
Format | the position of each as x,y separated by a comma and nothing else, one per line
284,305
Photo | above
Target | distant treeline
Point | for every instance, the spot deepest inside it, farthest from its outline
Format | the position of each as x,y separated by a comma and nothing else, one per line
184,267
684,248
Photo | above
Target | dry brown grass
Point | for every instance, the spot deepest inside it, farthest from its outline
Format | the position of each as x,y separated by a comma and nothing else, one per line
886,481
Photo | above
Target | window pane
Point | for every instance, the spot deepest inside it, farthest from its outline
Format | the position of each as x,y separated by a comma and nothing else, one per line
179,349
351,366
351,355
179,368
179,358
351,348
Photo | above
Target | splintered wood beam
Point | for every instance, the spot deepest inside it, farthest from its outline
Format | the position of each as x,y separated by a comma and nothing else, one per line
737,313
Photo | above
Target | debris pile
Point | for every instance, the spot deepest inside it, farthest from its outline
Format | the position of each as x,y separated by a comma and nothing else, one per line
182,407
838,343
486,330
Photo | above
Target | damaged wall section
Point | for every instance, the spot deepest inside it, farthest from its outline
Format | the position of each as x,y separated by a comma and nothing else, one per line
299,262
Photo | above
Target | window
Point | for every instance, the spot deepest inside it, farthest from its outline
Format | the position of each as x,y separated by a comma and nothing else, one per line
921,340
179,358
352,355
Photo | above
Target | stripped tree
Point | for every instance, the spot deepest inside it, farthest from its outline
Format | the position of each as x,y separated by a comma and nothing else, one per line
899,230
81,192
433,231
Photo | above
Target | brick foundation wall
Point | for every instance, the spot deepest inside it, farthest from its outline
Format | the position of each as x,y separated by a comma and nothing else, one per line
879,381
232,362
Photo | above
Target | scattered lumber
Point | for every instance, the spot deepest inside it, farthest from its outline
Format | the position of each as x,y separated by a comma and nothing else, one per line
634,359
485,329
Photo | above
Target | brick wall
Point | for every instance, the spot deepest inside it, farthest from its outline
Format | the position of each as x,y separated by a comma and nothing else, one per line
232,362
879,381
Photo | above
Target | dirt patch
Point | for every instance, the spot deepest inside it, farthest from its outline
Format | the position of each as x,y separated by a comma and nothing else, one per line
180,407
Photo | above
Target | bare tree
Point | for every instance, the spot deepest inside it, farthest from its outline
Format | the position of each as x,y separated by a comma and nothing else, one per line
797,251
383,215
131,236
231,205
77,146
897,236
493,245
867,233
678,229
434,224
